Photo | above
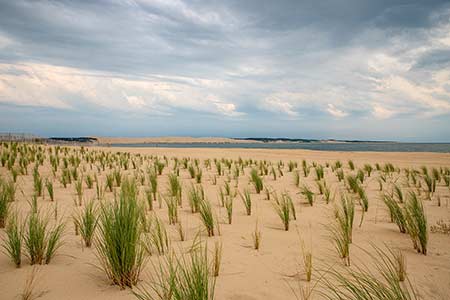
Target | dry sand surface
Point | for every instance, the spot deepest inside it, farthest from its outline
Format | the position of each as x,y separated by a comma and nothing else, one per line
273,272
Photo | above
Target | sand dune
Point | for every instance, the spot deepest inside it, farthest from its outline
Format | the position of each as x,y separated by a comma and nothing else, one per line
169,139
274,271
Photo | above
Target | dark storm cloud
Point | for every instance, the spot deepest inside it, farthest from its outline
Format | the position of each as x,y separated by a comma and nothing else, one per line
196,38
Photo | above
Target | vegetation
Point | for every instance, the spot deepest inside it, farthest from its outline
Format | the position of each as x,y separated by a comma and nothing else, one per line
308,194
86,222
40,241
256,180
283,209
12,243
206,216
362,283
119,244
416,223
180,277
247,200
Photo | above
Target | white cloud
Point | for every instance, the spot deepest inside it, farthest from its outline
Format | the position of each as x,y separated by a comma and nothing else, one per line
276,105
62,87
135,102
335,112
381,112
432,97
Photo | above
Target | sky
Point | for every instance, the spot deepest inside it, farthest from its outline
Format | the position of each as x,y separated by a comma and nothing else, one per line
342,69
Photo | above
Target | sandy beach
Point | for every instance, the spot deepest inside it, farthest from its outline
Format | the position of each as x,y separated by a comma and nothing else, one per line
275,271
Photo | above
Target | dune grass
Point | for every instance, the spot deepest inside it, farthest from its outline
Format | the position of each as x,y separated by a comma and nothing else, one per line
153,179
110,182
352,183
12,243
398,193
184,276
369,169
319,172
341,230
307,258
29,291
195,195
175,188
4,204
363,199
157,239
416,223
198,176
395,211
363,283
119,242
54,242
172,209
256,180
308,194
247,201
296,178
79,191
283,209
256,237
228,203
87,221
207,216
40,241
340,174
351,165
50,191
89,181
217,258
37,183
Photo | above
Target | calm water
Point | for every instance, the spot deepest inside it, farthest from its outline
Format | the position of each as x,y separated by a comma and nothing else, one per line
382,147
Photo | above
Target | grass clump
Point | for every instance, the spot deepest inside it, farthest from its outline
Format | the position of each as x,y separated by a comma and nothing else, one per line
217,258
297,178
341,230
195,195
363,283
172,209
87,221
175,187
308,194
256,180
283,209
158,240
50,191
41,242
12,243
185,276
307,260
206,216
247,200
396,212
416,223
119,247
4,204
228,202
256,237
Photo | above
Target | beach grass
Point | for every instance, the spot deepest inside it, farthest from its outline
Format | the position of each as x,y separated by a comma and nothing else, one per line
119,243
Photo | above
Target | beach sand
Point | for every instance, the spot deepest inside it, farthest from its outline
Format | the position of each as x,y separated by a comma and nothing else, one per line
273,272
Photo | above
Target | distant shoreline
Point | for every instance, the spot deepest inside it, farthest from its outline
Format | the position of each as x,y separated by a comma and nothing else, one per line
199,140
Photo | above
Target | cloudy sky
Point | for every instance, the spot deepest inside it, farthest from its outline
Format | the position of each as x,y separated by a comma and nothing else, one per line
347,69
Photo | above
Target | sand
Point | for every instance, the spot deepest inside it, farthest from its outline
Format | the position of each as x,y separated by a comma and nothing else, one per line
275,270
